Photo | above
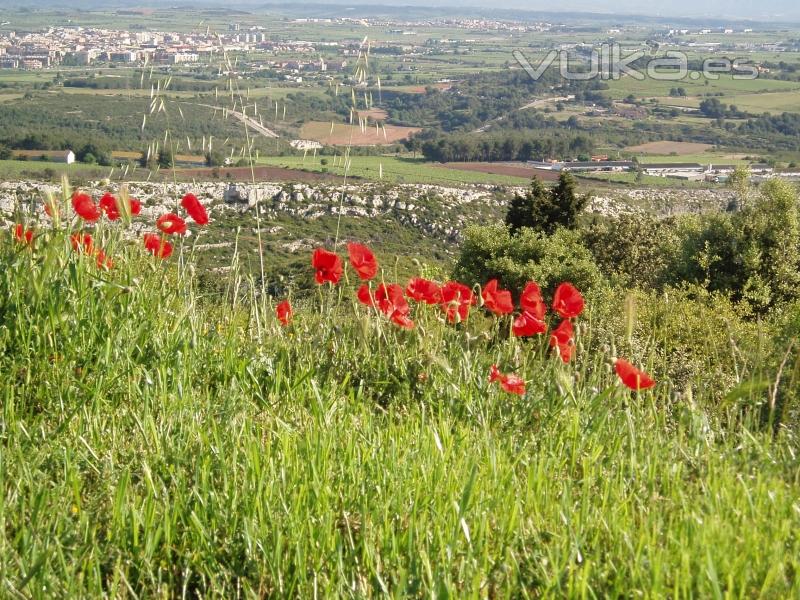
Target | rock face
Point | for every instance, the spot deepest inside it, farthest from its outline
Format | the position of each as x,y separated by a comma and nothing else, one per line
662,202
437,211
250,194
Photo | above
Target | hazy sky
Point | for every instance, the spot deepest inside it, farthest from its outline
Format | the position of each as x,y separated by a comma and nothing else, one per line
761,10
772,9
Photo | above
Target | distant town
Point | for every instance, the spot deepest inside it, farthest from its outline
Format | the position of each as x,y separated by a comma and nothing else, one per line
77,46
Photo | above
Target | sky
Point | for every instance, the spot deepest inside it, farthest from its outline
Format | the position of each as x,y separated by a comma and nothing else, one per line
767,10
764,9
777,11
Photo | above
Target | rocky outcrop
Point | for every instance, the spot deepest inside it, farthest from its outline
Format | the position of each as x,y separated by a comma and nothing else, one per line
435,210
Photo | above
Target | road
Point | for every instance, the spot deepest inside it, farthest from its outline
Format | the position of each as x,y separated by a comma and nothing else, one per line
249,121
534,104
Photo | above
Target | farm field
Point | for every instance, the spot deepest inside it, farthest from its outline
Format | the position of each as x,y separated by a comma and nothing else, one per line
703,158
652,181
666,147
649,88
773,102
505,169
247,174
395,169
340,134
27,169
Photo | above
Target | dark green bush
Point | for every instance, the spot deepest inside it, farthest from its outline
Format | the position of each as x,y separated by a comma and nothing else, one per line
635,250
492,252
545,209
753,254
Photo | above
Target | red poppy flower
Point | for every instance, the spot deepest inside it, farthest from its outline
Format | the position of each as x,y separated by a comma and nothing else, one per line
22,235
103,260
531,301
363,260
632,377
157,246
82,243
284,312
328,266
527,325
567,301
364,295
424,290
456,301
108,204
85,207
562,339
50,207
136,206
402,321
513,384
171,224
390,300
195,209
497,301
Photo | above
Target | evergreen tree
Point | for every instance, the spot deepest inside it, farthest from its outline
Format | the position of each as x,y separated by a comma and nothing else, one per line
546,210
522,208
567,204
165,159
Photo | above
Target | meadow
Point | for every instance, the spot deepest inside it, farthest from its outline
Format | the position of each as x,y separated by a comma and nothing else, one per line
395,169
343,134
162,441
696,85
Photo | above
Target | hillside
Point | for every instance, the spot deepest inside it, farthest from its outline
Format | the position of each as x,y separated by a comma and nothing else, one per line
158,441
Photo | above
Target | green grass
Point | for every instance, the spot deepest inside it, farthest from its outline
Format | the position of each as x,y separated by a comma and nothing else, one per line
161,442
777,102
698,87
644,180
393,169
22,169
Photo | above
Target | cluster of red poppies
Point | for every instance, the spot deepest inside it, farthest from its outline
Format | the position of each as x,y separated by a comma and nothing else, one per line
391,300
90,211
456,299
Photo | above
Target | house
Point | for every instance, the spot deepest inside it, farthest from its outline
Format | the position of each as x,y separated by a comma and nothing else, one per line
56,156
690,171
305,145
761,169
595,166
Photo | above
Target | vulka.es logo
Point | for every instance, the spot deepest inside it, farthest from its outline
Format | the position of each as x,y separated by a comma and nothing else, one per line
607,62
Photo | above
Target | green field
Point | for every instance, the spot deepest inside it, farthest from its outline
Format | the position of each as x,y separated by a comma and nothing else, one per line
161,441
644,181
391,169
703,158
698,87
29,169
775,102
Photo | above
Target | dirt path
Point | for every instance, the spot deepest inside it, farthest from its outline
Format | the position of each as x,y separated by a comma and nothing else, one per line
249,121
534,104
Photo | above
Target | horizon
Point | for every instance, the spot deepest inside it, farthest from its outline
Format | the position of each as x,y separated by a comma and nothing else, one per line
771,11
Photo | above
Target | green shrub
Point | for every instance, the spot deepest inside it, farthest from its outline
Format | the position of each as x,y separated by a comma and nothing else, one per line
636,250
492,252
753,255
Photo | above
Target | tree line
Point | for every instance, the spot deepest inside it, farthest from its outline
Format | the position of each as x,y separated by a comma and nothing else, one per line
502,146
